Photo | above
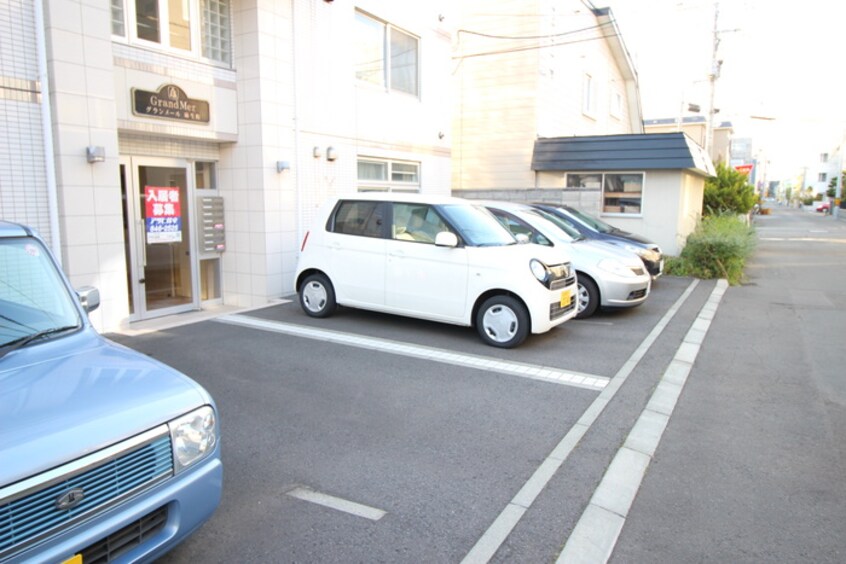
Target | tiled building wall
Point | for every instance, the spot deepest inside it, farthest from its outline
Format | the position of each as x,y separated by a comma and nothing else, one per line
80,64
23,181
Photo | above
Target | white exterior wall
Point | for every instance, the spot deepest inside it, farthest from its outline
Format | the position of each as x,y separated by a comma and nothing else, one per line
672,204
23,176
496,99
291,88
669,215
82,96
525,89
360,119
561,77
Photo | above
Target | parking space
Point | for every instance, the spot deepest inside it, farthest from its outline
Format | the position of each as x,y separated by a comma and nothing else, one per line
352,451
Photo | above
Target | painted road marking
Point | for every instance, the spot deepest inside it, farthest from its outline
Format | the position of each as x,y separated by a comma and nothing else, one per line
522,370
596,533
492,539
337,503
803,240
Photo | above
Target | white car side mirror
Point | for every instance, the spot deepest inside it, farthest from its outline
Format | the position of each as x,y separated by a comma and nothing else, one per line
446,239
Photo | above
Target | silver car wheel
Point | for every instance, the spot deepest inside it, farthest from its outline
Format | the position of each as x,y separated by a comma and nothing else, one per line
584,298
500,323
314,296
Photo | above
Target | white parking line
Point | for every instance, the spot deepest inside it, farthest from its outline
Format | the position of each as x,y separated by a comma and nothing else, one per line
492,539
522,370
595,535
337,503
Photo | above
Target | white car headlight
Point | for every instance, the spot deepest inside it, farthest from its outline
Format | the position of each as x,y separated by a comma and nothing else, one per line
540,271
616,267
193,437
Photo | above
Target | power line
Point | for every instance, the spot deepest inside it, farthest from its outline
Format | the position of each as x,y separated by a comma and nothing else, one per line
549,36
533,47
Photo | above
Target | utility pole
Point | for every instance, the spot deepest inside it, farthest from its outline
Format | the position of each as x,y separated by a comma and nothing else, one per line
838,186
712,79
716,64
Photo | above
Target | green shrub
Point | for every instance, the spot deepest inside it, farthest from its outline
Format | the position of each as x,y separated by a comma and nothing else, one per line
718,248
728,192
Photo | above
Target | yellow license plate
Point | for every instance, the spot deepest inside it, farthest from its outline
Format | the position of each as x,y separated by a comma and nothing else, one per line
75,559
565,298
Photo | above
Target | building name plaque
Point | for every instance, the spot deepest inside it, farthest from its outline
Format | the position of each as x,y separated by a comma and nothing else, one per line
170,102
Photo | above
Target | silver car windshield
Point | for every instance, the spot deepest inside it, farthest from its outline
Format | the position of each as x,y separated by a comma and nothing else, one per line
34,301
477,226
560,224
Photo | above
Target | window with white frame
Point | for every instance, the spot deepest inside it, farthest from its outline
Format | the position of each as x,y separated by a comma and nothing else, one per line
616,100
822,177
200,27
384,175
622,192
385,55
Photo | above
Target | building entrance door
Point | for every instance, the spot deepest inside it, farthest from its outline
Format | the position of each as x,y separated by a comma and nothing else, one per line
161,269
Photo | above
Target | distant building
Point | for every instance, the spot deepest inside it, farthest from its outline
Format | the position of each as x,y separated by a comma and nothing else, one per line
821,174
696,127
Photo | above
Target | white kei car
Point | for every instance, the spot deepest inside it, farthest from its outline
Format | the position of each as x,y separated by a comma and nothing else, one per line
437,258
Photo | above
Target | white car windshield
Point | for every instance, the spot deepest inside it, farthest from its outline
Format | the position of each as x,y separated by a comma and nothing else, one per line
477,226
560,224
34,301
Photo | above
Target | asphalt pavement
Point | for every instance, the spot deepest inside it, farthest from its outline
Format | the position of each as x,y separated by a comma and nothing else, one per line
752,467
706,425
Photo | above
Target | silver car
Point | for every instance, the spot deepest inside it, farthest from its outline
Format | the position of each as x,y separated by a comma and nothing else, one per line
607,275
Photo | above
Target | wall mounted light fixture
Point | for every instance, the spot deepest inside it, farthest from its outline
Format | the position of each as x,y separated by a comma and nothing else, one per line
331,154
282,165
316,153
95,154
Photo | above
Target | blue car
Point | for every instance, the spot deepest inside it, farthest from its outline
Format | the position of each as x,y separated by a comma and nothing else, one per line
105,453
594,228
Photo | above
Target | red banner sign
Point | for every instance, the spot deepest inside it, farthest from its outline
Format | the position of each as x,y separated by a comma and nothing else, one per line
744,168
164,214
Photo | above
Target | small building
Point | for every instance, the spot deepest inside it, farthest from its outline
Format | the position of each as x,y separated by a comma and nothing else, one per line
651,184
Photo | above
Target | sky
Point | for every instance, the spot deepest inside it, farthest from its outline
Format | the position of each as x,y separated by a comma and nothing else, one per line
781,61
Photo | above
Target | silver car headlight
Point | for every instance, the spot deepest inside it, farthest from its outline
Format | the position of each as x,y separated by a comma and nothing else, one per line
616,267
193,437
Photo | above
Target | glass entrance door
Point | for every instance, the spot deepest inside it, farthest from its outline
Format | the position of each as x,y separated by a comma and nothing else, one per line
162,269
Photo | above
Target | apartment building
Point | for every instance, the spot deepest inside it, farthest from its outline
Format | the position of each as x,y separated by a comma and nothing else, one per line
529,69
173,152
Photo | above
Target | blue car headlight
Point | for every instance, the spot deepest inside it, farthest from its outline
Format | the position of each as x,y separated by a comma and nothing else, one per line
193,437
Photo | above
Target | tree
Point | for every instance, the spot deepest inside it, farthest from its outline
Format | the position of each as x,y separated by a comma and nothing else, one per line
728,192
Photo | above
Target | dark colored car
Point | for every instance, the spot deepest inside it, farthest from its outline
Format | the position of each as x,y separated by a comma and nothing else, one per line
593,228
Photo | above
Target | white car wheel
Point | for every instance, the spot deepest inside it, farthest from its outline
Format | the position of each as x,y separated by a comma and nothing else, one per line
503,322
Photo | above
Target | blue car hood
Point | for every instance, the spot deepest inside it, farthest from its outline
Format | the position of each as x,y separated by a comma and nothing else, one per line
69,397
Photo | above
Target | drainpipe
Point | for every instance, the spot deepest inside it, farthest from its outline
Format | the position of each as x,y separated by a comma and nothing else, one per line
47,132
297,168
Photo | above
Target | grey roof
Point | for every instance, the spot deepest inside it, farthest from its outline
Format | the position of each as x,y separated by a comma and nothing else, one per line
635,152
